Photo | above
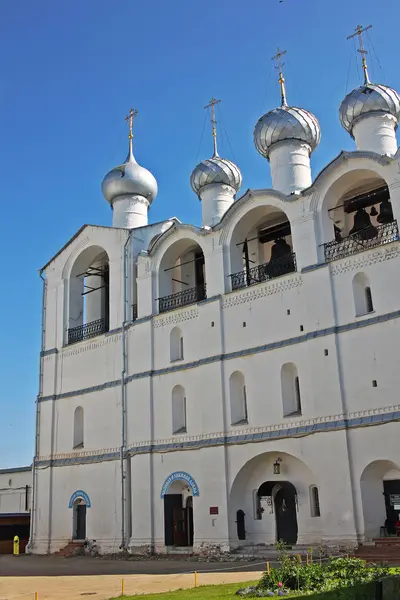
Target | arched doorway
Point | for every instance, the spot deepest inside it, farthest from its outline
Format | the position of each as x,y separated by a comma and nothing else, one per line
177,493
380,492
283,495
79,520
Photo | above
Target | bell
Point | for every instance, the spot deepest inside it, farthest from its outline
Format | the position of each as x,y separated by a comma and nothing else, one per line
363,226
338,234
386,212
279,249
373,212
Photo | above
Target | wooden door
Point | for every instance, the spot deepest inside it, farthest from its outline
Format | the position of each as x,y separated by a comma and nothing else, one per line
171,502
180,527
80,522
286,516
240,525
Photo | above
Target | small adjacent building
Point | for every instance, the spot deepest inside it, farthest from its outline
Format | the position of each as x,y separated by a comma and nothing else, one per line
15,507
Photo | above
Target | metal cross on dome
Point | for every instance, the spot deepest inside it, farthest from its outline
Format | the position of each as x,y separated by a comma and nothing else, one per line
358,32
211,105
130,118
279,66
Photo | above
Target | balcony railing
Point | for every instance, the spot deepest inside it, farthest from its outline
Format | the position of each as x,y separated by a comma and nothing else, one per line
264,272
86,331
367,238
190,296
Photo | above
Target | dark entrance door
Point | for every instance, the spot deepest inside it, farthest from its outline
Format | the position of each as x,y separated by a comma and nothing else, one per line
391,490
240,525
178,521
80,522
286,514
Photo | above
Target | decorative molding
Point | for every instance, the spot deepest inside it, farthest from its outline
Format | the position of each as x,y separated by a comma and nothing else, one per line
362,260
176,317
179,476
260,291
231,355
82,347
79,495
246,435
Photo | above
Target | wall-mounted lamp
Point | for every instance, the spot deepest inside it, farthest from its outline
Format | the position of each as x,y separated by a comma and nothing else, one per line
277,466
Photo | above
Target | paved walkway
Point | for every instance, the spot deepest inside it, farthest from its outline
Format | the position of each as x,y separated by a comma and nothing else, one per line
67,579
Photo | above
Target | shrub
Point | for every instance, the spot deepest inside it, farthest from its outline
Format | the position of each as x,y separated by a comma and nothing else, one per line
334,574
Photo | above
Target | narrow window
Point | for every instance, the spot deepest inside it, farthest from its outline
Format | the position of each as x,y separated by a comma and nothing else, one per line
297,394
314,499
368,300
176,344
291,397
238,398
178,410
362,294
78,427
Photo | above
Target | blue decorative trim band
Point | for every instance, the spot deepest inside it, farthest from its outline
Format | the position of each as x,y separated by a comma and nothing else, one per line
264,436
314,267
179,476
48,352
79,495
219,357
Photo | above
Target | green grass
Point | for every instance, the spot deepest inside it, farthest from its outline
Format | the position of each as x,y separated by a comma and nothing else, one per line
215,592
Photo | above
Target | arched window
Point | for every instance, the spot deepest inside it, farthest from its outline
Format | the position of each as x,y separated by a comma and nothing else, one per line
291,397
78,427
314,501
237,389
176,344
178,410
362,295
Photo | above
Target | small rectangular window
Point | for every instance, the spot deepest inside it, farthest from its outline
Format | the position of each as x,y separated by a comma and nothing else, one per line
297,392
315,508
181,348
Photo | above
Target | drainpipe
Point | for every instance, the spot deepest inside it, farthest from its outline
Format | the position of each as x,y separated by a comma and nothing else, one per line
37,424
123,395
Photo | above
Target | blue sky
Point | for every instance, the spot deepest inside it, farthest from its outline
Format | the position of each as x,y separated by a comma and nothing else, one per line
69,72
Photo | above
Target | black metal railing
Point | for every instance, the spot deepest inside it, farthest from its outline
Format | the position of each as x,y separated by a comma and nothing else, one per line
86,331
367,238
264,272
190,296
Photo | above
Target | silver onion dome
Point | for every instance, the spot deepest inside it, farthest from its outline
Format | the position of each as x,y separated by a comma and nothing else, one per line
286,123
215,170
367,99
129,179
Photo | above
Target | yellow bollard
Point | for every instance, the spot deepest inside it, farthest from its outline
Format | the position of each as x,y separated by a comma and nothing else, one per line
123,587
268,568
16,546
36,595
195,579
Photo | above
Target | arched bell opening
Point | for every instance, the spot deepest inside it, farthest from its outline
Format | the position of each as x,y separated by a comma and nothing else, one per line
261,247
182,276
359,214
89,295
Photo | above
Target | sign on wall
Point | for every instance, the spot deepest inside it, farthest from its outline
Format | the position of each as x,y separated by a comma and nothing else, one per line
180,476
79,495
394,499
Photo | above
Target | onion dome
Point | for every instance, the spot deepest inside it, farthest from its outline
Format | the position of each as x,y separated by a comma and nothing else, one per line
215,170
286,123
368,99
129,179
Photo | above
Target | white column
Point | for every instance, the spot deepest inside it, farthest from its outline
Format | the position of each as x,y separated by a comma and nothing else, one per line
130,212
215,198
376,132
290,166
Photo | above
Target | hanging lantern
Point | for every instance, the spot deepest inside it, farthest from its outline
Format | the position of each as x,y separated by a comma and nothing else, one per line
277,466
386,212
363,226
